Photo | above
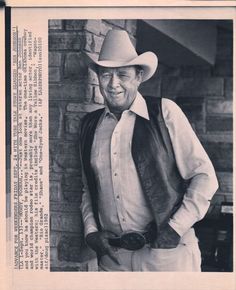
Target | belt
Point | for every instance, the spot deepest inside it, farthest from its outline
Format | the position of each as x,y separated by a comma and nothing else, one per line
133,240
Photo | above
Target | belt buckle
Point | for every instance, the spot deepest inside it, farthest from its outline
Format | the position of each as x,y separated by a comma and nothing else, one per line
133,241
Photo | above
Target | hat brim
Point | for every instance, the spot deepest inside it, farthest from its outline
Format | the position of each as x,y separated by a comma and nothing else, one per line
147,60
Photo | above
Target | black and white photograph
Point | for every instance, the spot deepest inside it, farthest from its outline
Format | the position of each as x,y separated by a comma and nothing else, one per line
117,130
141,145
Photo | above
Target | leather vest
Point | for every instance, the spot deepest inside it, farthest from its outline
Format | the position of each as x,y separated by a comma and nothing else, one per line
154,158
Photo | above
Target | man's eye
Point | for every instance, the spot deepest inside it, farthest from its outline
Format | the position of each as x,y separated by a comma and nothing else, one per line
106,75
124,76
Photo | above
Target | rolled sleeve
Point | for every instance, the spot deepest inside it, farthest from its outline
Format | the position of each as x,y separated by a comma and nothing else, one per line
193,164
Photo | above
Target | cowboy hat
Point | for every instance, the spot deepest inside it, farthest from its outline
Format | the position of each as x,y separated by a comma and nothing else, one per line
117,50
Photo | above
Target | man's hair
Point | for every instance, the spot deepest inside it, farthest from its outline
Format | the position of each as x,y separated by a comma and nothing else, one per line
138,69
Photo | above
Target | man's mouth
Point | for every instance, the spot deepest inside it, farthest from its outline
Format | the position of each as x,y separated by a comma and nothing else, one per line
115,94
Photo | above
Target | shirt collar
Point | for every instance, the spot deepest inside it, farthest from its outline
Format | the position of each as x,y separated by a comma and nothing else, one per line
139,107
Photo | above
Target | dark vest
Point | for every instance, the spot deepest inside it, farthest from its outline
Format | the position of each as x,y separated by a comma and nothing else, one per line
154,158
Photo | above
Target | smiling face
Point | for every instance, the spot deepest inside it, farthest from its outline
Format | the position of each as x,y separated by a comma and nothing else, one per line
119,86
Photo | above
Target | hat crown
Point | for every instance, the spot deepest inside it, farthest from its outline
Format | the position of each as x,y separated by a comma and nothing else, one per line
117,46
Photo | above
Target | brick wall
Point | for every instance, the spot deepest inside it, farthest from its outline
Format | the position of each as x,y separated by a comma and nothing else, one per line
73,91
205,95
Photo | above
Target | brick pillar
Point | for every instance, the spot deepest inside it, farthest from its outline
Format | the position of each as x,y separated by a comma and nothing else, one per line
73,92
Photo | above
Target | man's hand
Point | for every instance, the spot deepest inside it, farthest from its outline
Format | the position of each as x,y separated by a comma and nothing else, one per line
98,241
167,239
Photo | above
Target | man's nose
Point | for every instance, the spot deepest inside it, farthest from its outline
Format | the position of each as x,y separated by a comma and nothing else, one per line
114,81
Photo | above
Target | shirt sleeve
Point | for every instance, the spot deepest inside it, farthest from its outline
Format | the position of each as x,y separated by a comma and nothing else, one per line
193,164
89,222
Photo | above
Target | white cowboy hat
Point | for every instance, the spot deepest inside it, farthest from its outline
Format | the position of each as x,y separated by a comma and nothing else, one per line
117,50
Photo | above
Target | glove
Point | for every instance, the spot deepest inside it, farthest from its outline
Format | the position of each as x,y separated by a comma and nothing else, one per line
168,238
98,241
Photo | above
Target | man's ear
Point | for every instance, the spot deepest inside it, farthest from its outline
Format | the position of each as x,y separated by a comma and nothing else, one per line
140,76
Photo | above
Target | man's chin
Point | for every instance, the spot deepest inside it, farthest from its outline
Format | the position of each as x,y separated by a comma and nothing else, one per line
117,107
117,103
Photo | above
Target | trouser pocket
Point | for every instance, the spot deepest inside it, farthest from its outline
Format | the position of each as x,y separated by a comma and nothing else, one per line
186,257
180,259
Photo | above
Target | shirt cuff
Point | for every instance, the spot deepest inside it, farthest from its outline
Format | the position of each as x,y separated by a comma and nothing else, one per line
90,229
180,230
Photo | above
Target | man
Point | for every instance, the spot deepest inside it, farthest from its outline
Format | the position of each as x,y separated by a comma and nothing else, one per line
147,179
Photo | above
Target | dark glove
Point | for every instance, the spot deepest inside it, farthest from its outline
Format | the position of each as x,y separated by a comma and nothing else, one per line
98,241
168,238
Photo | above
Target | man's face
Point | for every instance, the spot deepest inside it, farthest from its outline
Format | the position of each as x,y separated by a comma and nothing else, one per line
119,86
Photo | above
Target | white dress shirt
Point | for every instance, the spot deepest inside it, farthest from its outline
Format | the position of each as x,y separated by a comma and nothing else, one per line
121,202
